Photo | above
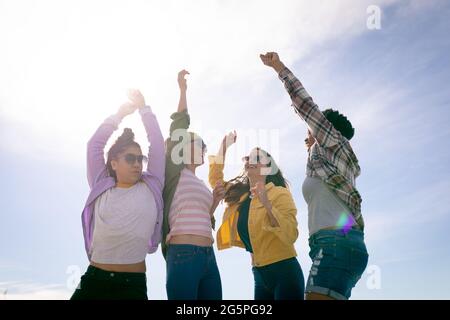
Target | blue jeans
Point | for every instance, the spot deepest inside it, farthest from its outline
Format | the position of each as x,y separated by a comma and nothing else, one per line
192,273
282,280
339,259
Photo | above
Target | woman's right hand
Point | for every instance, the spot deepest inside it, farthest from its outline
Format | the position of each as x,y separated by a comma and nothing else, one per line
181,80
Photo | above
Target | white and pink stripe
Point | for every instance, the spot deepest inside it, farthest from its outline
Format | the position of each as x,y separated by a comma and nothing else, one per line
189,211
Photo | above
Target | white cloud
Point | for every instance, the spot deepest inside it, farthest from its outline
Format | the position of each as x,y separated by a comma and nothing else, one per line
416,208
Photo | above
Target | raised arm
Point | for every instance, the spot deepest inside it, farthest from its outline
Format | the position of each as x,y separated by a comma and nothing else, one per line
178,127
217,162
96,166
156,156
182,103
322,130
180,119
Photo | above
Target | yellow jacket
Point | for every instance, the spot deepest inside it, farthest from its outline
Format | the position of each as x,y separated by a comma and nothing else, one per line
270,244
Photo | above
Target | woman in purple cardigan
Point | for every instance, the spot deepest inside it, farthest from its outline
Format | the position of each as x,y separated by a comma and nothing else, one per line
122,217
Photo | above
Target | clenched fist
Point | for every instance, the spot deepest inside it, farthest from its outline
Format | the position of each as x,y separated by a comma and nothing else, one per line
181,79
271,59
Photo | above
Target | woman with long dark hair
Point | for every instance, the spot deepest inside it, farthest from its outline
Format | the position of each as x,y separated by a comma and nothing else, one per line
261,218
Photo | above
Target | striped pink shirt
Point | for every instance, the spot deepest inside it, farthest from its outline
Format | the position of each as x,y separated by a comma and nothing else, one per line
189,211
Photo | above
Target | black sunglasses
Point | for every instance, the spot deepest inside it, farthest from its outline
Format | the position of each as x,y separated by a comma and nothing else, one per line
247,158
132,158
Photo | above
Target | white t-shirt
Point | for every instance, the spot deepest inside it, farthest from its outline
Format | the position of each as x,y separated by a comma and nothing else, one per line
124,221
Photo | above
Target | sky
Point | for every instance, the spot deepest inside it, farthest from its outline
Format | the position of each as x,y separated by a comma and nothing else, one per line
66,65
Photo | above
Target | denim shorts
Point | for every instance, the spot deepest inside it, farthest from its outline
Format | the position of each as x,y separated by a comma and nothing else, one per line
339,259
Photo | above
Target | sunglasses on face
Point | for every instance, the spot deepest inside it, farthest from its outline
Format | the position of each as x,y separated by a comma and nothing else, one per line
253,160
132,158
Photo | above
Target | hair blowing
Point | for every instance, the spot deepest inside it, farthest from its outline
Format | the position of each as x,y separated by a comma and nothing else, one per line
240,185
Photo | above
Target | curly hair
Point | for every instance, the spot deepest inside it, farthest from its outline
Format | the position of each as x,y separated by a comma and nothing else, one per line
122,143
340,123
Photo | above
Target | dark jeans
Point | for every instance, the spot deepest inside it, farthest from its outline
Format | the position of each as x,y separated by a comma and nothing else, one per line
192,273
97,284
281,280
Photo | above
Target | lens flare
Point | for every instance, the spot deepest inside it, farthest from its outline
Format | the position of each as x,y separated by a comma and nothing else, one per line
345,222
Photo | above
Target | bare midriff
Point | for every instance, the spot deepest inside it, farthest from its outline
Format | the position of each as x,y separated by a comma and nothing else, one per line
192,239
132,268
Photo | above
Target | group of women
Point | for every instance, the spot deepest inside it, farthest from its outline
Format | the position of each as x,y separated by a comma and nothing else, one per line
130,211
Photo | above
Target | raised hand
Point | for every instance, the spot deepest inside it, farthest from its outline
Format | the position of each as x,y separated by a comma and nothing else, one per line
126,108
136,98
272,59
181,79
229,140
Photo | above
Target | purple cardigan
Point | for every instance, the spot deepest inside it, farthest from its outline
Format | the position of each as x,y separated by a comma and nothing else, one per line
100,181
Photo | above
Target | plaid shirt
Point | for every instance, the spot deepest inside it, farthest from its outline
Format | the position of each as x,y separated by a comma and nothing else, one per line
331,158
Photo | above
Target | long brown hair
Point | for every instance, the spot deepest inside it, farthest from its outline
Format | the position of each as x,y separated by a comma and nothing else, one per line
240,185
